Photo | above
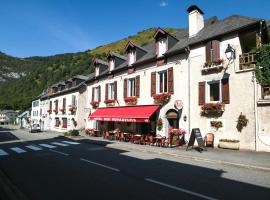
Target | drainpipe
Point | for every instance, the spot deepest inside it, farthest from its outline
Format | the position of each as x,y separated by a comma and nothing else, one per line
255,108
187,49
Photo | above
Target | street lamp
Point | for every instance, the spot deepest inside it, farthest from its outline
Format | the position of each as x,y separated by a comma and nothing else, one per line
230,52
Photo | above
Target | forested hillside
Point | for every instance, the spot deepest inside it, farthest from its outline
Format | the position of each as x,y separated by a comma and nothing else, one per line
22,79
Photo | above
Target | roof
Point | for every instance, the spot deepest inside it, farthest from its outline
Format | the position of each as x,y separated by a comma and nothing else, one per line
117,55
101,61
81,77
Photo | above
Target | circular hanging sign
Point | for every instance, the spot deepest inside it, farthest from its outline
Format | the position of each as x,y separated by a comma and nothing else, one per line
178,104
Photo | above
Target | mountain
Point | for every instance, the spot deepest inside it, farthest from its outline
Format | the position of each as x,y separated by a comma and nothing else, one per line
22,79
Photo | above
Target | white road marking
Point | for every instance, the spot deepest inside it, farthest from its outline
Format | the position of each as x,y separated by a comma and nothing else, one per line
180,189
47,146
69,142
101,165
35,148
18,150
65,154
60,144
3,153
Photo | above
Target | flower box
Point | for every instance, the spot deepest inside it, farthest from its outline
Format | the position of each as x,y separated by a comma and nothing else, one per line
229,144
212,108
62,110
55,111
94,104
109,102
49,111
131,100
161,98
216,124
215,62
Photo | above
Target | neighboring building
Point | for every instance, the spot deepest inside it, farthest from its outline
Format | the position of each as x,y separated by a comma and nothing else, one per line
36,112
63,104
7,116
200,77
23,120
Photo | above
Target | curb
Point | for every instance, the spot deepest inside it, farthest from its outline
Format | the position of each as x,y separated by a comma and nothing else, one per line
252,167
8,190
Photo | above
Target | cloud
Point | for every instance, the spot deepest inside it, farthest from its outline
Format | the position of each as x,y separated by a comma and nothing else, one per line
163,4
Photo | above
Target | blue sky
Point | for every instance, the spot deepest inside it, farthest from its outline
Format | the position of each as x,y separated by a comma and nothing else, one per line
48,27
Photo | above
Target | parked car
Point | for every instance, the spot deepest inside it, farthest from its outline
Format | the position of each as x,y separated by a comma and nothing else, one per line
34,128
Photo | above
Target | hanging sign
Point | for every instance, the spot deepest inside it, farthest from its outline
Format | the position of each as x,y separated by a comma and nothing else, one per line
178,104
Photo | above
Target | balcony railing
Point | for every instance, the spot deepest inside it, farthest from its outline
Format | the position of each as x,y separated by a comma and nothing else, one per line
247,60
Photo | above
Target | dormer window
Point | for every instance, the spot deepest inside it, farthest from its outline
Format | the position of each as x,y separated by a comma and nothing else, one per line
111,64
132,57
162,46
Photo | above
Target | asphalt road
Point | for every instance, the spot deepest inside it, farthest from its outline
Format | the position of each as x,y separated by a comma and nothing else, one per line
57,169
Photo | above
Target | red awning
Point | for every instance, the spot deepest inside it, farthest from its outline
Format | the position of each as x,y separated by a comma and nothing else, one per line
124,114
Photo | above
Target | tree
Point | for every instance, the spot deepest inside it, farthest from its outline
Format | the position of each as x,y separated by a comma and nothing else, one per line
263,65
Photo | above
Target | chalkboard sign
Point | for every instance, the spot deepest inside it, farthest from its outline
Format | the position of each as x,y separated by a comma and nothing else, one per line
196,134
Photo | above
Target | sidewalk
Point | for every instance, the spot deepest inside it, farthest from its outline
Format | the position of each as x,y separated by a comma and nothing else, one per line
244,159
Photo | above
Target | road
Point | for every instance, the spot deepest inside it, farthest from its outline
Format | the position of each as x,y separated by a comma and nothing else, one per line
59,168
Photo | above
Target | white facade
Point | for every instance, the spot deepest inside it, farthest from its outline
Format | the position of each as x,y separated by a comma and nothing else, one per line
36,112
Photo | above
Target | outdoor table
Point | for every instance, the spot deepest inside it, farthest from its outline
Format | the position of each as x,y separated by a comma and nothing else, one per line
137,138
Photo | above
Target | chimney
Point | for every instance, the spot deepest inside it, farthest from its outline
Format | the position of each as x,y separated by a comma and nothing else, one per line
195,20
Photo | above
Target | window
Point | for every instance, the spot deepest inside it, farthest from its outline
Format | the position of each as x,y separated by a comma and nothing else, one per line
97,71
214,91
64,122
212,51
162,82
57,122
131,57
162,46
111,91
111,64
96,93
64,105
35,103
131,87
73,101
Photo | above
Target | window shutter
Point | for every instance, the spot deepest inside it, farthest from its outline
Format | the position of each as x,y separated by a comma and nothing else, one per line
56,105
153,83
99,94
115,90
93,94
225,91
216,51
170,80
64,104
201,93
50,105
137,83
125,88
208,52
106,91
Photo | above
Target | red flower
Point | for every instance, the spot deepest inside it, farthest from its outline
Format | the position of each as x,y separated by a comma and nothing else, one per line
162,98
130,99
94,103
54,110
107,101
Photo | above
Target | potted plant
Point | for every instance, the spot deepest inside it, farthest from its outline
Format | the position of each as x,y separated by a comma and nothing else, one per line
62,110
55,111
229,144
161,98
212,108
215,62
94,104
131,100
49,111
159,124
216,124
242,122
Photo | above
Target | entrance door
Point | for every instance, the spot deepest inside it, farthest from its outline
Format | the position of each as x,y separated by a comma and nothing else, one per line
173,118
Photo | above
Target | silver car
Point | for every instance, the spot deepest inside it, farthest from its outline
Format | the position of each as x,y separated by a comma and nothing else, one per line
35,128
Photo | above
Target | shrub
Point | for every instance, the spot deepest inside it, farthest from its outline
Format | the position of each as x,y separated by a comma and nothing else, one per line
72,133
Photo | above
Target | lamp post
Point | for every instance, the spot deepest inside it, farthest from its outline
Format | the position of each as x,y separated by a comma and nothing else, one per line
230,52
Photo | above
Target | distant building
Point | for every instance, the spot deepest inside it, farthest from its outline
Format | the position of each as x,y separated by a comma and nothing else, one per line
8,116
23,120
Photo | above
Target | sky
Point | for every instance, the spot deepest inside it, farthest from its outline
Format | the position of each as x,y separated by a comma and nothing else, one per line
48,27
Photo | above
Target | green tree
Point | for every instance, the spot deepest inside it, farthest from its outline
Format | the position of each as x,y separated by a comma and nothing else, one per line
263,65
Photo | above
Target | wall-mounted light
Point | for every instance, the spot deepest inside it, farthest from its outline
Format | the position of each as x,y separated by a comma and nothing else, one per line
185,118
230,52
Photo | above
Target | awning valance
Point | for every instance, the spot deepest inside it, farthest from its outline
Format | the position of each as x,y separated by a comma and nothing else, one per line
124,114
